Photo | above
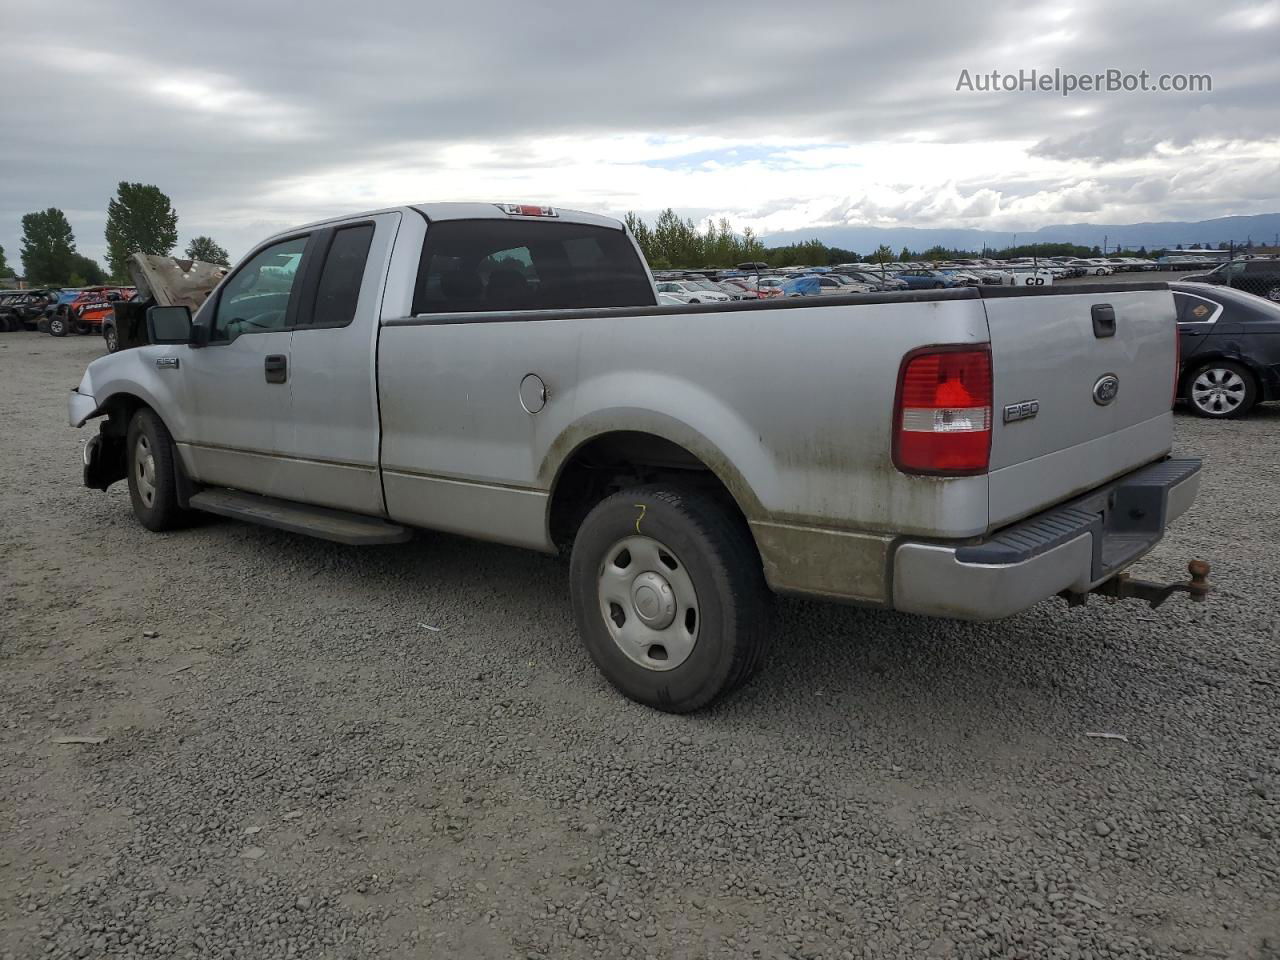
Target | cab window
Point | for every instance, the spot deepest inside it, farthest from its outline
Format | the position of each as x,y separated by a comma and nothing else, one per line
257,298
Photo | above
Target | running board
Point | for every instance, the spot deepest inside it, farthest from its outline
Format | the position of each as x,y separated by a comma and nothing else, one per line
353,529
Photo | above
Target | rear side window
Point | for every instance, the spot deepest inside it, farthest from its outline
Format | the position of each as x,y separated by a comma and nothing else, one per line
469,266
340,279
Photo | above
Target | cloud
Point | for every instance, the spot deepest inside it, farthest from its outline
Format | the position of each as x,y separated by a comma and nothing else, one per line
254,117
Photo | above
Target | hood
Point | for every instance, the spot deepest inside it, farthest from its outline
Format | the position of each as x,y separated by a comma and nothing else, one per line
174,283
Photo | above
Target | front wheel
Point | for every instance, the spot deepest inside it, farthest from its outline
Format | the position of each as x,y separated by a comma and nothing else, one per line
669,596
109,335
1274,294
153,486
1222,390
58,326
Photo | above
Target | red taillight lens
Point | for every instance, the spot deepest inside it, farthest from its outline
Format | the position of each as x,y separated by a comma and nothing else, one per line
942,418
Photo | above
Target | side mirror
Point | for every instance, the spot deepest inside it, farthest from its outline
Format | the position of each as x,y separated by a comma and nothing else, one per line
169,324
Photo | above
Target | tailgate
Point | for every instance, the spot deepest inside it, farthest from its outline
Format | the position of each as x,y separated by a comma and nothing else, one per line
1062,425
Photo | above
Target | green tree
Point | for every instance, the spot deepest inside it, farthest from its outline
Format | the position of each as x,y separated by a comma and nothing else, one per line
86,272
4,265
48,247
204,248
140,219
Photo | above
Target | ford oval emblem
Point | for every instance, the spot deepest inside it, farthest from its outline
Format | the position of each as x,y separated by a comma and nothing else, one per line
1105,390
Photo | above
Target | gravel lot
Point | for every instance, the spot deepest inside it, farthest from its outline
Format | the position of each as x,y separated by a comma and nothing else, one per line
296,765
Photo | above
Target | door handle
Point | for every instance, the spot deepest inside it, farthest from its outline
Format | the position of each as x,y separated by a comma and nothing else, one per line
277,368
1104,320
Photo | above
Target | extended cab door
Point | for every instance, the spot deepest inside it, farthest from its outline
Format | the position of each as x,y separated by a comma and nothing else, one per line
329,446
236,386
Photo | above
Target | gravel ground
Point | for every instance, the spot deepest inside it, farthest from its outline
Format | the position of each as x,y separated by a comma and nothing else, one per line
297,764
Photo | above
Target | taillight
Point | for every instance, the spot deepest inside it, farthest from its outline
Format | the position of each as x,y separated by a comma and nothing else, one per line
942,416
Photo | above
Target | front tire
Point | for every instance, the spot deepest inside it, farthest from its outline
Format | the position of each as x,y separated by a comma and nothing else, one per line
153,487
1274,294
57,326
669,597
1222,390
109,335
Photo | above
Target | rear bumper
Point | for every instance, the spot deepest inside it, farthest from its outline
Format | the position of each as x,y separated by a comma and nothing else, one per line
1073,547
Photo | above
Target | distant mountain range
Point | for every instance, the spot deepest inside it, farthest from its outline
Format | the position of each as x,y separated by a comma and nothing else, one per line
1263,228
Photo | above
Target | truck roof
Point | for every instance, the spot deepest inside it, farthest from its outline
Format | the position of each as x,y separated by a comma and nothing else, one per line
465,211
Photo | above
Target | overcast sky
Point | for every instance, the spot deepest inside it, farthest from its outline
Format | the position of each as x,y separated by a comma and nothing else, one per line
257,116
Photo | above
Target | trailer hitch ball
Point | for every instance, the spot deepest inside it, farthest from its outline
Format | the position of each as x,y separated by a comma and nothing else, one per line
1199,586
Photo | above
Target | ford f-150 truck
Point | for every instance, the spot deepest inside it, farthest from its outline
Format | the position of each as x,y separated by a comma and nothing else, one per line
505,372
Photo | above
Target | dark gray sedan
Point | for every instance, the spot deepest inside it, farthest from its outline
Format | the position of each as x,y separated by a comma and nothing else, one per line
1230,344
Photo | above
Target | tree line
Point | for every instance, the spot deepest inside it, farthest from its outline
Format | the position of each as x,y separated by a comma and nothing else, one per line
140,219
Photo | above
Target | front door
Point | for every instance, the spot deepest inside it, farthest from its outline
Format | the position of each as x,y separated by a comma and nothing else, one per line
238,385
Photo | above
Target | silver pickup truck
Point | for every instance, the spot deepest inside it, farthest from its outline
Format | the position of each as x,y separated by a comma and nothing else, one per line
504,372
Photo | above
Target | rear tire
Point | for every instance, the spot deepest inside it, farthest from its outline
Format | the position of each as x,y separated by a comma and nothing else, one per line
669,597
1222,390
153,487
1274,294
109,335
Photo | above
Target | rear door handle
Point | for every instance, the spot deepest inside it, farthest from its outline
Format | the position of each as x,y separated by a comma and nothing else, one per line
277,368
1104,320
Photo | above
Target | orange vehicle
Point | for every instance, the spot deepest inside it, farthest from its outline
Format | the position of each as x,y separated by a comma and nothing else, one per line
82,310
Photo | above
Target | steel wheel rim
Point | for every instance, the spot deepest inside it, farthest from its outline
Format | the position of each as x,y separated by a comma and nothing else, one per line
1274,294
144,470
55,326
648,603
111,340
1218,391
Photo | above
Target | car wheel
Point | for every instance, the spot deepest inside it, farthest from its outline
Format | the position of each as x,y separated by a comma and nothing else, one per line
81,328
939,286
8,323
109,335
669,596
57,326
1222,390
1274,294
695,300
153,488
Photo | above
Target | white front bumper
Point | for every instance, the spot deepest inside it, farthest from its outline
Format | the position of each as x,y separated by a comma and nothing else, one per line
80,407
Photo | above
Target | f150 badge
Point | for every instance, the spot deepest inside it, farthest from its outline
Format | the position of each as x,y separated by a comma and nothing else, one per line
1021,411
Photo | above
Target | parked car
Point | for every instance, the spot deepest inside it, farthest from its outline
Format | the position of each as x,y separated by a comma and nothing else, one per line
1230,344
1095,268
928,279
22,309
950,455
1257,276
83,310
876,281
687,291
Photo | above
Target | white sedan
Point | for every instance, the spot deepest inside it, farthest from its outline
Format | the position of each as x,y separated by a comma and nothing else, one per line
686,291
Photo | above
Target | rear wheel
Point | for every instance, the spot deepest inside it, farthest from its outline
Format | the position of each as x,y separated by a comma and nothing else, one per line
153,487
109,335
1222,390
1274,294
9,323
669,597
82,328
